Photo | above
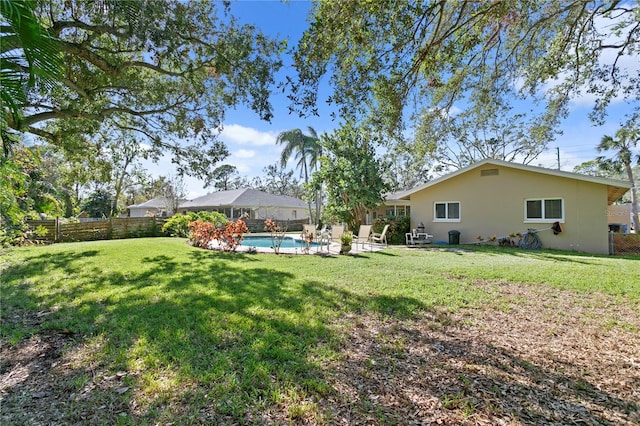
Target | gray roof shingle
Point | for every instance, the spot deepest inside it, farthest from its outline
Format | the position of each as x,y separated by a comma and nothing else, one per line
155,203
243,198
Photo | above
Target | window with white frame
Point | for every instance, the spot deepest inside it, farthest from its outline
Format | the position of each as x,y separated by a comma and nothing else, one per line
446,211
544,210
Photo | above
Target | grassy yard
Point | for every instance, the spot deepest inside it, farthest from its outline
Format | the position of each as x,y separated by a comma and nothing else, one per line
152,331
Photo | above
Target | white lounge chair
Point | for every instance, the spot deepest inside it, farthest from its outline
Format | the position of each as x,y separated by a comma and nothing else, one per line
336,232
308,230
323,236
381,237
414,238
364,234
335,235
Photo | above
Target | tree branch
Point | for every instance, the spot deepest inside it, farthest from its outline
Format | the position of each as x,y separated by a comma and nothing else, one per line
115,71
118,31
100,116
52,137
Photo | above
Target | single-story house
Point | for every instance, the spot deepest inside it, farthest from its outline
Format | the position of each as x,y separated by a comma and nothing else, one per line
494,197
155,207
257,204
395,204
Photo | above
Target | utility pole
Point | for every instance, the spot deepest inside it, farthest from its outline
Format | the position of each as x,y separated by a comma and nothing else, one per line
558,154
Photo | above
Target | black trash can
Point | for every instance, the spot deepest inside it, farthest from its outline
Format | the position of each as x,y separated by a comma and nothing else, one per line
454,237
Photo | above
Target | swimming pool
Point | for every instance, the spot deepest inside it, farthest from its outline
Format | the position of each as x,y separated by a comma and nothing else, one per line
265,241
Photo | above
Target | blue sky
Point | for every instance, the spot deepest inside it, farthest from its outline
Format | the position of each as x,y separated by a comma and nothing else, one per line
251,141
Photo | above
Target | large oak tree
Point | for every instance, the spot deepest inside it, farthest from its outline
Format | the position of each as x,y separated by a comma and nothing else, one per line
166,69
416,61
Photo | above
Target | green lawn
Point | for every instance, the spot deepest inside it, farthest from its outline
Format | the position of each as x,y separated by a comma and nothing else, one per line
155,331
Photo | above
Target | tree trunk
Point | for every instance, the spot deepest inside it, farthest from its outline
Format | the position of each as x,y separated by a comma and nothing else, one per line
319,192
118,189
306,181
68,203
634,199
116,198
318,202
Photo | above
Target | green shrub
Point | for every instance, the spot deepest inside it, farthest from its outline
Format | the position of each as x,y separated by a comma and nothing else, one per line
398,227
214,217
12,232
178,224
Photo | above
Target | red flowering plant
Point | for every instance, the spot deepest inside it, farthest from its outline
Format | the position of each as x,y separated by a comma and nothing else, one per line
307,238
230,237
277,234
201,233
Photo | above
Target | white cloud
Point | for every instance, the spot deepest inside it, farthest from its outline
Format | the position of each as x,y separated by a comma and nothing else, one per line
244,153
243,168
194,187
237,134
549,159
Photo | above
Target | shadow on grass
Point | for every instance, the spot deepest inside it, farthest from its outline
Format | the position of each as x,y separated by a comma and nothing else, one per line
543,254
217,335
222,338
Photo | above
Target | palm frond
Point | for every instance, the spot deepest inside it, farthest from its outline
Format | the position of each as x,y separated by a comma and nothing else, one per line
28,54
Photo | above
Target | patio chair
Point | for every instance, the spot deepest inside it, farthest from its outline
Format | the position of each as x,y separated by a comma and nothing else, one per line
364,234
308,230
334,235
308,235
336,232
323,236
381,237
323,231
415,238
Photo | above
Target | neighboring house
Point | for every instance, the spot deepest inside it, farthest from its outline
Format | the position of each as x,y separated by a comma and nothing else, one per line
256,204
155,207
620,218
494,197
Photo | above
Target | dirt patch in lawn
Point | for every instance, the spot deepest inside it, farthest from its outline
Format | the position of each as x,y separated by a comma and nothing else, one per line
50,379
537,356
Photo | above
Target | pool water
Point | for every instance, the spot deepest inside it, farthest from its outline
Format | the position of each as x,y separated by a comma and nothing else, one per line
265,241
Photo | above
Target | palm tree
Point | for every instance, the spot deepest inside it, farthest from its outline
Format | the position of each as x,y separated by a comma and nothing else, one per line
314,152
306,150
627,138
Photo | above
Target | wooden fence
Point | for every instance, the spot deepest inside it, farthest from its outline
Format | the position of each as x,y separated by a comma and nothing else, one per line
114,228
56,230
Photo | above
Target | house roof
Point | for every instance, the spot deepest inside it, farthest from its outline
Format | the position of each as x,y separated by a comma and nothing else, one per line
243,198
396,196
154,203
615,188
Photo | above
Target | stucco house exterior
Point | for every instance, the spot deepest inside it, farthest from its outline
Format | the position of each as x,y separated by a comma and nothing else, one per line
257,204
494,197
